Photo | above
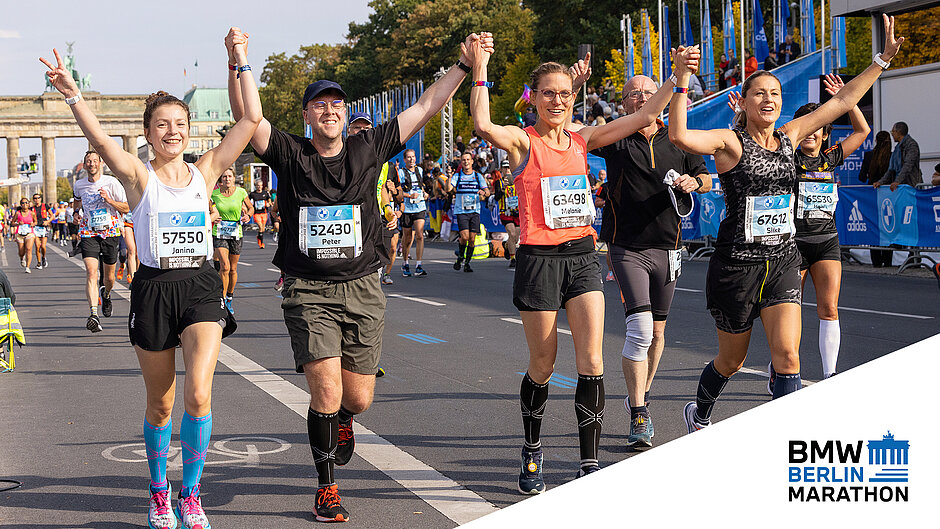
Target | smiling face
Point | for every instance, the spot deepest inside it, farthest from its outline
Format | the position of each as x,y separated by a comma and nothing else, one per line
466,163
168,132
814,142
410,159
762,100
326,122
555,111
636,92
92,163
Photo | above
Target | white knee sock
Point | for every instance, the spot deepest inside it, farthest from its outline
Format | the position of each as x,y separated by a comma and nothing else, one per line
829,337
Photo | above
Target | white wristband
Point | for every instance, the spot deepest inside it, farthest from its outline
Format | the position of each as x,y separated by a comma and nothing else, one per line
74,99
674,80
880,62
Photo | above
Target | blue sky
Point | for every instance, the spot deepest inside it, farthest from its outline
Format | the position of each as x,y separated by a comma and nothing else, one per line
141,47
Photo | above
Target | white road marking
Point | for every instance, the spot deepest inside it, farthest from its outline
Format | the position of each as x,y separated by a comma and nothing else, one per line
3,257
689,290
515,320
419,300
767,375
274,270
869,311
447,496
438,261
245,264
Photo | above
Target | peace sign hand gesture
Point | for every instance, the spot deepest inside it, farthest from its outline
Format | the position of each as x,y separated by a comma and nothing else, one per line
59,77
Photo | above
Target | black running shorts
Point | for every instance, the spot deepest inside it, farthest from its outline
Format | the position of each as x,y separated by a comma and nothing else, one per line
468,221
643,278
234,246
408,219
165,302
106,247
813,252
548,276
736,291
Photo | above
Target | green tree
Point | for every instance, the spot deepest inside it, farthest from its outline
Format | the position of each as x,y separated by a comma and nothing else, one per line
63,190
512,84
285,78
432,131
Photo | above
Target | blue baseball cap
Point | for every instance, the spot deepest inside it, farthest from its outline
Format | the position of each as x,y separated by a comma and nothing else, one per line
360,115
316,88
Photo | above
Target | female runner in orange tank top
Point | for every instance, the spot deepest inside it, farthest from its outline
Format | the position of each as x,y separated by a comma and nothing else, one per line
557,265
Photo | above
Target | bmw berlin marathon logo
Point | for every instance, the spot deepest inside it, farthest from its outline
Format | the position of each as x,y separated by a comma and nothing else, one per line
175,219
323,213
849,471
564,182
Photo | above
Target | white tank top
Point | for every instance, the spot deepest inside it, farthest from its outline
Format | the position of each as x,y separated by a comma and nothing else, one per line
171,224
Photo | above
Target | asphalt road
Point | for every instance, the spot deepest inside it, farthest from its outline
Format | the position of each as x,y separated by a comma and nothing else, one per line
439,446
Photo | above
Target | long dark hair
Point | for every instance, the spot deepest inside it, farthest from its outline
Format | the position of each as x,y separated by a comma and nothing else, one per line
880,156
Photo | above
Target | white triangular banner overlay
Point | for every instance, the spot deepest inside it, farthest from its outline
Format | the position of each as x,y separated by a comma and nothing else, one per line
737,472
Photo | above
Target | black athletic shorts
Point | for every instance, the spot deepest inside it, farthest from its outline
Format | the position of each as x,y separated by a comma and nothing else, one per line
165,302
548,276
408,219
813,252
736,291
234,246
468,221
106,247
73,228
644,280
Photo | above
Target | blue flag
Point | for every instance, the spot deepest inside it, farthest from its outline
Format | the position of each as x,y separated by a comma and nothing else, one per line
780,35
628,60
729,30
667,45
761,51
809,27
708,56
687,39
838,42
647,54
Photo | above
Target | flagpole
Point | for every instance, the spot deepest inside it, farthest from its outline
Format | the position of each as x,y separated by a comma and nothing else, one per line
822,19
623,29
659,37
741,57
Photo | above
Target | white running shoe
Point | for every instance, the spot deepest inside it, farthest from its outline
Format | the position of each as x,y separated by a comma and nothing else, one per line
161,515
690,421
28,271
189,510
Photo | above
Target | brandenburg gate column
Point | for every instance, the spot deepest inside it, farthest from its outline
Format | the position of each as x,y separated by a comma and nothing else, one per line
48,169
130,143
13,152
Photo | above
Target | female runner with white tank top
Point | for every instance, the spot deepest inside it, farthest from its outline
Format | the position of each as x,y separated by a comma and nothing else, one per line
176,296
556,262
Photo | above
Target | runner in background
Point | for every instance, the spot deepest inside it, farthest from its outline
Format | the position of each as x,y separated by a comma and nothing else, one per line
414,213
231,208
505,192
470,188
43,225
260,201
21,223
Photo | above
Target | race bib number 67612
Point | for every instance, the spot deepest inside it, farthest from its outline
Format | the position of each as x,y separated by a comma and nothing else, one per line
769,219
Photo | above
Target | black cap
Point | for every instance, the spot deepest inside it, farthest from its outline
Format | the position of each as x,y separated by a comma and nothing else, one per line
318,87
359,115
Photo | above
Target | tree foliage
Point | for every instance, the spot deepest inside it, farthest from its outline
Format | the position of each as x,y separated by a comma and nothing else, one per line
285,79
63,190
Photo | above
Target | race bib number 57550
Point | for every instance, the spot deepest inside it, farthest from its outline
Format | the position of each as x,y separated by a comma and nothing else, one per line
331,232
182,239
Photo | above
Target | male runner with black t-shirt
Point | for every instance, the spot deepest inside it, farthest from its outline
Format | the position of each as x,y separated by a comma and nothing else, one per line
333,304
260,200
641,225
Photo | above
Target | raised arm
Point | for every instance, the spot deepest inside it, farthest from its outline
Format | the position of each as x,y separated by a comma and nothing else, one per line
438,94
620,128
126,166
860,129
513,140
262,135
217,160
848,96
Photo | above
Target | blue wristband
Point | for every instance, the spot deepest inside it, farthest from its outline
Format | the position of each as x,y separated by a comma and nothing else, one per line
245,68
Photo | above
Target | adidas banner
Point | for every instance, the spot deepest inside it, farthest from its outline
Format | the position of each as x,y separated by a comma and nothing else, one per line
906,217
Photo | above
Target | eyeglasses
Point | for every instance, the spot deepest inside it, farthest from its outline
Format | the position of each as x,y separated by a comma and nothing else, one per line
24,202
549,95
635,94
320,106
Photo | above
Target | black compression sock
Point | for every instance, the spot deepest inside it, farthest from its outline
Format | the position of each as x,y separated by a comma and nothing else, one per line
646,398
470,246
589,408
261,236
345,415
323,432
462,249
532,397
710,386
639,410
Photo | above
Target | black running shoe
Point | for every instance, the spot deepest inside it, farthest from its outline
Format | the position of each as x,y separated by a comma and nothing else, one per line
93,324
346,444
457,264
512,263
380,373
466,267
107,308
328,507
584,471
530,477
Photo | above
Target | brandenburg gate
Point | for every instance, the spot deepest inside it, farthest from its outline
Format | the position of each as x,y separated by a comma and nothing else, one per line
48,117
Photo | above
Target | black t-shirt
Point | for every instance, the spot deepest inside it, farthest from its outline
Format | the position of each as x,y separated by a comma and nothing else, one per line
350,178
818,192
638,213
258,200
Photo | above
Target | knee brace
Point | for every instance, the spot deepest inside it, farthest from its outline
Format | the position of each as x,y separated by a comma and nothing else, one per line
639,336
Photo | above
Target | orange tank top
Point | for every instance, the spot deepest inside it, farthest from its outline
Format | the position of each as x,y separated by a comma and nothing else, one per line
544,161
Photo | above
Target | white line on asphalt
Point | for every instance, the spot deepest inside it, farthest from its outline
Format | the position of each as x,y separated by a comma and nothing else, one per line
766,375
273,270
419,300
869,311
245,264
514,320
689,289
3,256
437,490
452,500
438,261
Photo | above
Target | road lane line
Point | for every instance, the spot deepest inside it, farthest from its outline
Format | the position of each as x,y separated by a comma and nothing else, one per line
419,300
689,290
245,264
274,270
869,311
767,375
514,320
438,261
460,505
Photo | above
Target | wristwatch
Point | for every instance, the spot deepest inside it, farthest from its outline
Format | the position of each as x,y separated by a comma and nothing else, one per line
700,183
880,62
74,99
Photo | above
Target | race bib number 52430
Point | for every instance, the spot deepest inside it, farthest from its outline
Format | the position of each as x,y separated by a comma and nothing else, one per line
331,232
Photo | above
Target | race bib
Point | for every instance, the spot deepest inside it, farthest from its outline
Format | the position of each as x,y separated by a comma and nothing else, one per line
24,229
817,200
182,240
99,219
566,201
331,232
259,205
675,264
40,231
769,220
227,229
469,202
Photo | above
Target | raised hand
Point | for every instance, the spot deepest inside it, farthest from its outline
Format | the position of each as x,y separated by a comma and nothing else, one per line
734,101
59,77
686,59
580,71
892,44
236,42
833,83
477,48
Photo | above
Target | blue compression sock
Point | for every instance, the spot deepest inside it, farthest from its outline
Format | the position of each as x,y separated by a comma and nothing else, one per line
194,438
786,384
157,442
